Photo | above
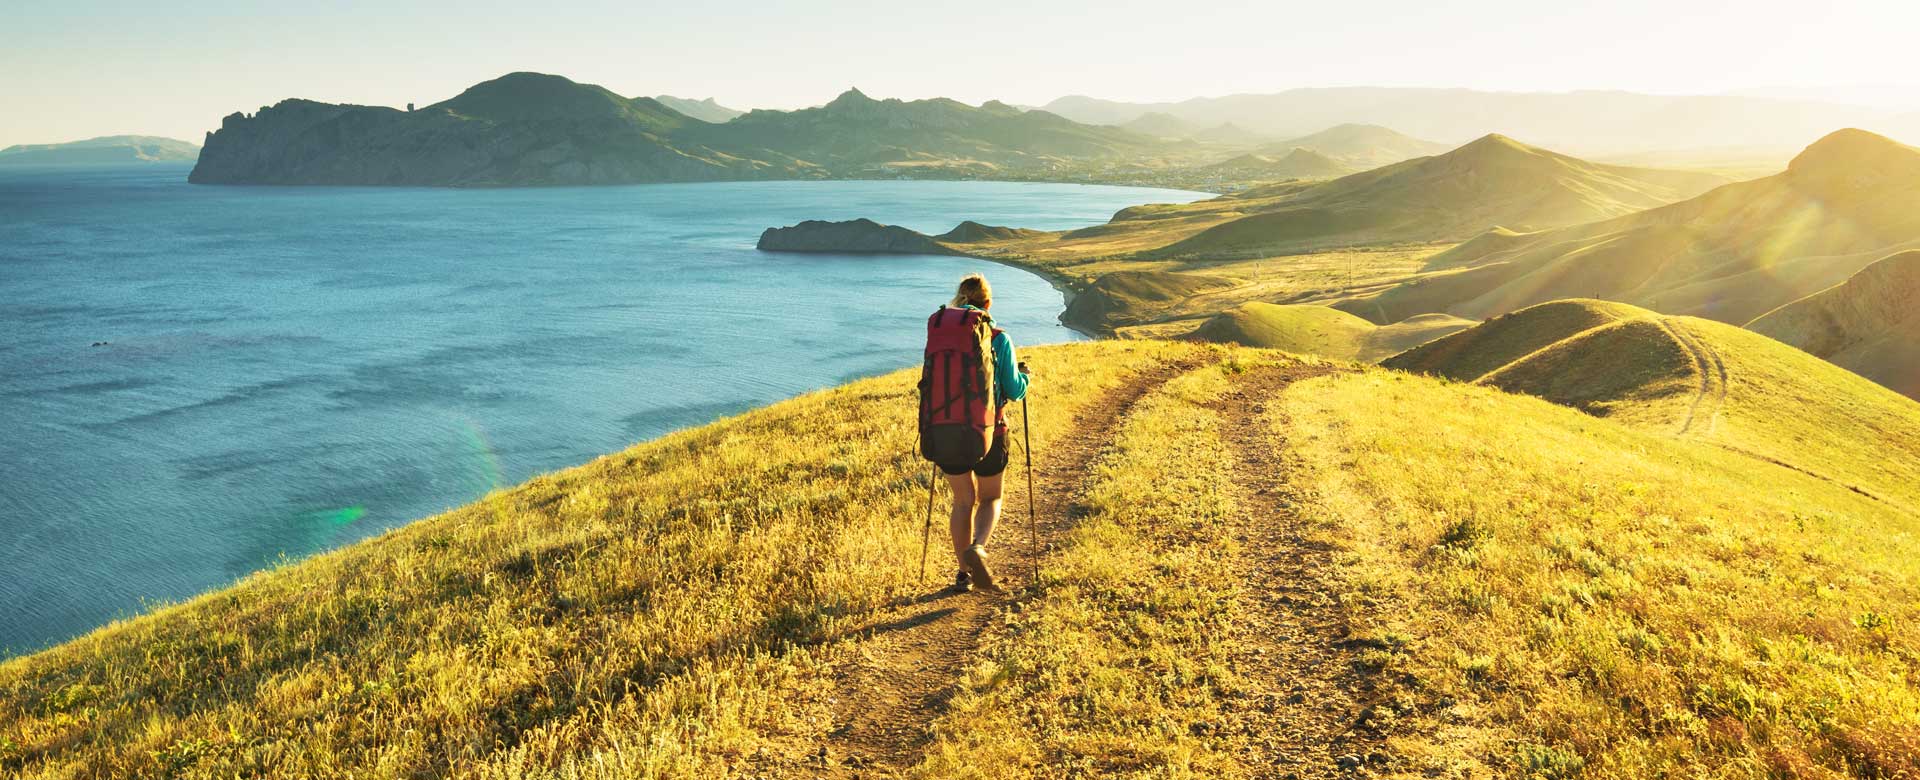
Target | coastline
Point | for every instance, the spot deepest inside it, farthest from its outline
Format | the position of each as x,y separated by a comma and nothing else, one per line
1060,281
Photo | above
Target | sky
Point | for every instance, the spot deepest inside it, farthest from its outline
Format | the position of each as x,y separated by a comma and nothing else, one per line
73,69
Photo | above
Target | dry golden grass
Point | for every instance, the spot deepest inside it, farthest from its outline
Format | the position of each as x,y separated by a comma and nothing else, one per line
1561,595
1107,673
1584,599
662,612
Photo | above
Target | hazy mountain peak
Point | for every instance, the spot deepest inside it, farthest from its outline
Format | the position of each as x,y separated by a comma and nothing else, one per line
705,110
529,96
1857,150
851,98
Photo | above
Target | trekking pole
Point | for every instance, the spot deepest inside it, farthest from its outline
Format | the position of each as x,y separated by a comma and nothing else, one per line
1026,453
926,533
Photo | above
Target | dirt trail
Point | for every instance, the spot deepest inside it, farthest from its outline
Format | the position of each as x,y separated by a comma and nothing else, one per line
1311,714
914,654
1713,380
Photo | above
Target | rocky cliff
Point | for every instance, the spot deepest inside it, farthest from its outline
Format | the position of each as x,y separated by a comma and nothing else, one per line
522,129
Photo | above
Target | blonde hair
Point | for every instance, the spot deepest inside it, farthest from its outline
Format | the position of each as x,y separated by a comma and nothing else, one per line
973,292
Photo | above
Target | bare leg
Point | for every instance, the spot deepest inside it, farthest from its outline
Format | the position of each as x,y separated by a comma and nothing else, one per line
960,520
987,511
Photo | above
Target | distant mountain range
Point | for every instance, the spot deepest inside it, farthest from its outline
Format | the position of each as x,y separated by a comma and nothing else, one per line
1300,163
704,110
1360,147
536,129
1585,122
1731,254
1492,181
105,149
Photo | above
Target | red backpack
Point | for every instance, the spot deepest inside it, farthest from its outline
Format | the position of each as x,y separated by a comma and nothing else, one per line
958,407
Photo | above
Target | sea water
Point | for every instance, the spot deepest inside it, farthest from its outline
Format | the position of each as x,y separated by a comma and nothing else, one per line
197,381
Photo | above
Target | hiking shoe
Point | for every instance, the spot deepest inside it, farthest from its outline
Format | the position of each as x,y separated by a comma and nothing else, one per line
962,582
975,559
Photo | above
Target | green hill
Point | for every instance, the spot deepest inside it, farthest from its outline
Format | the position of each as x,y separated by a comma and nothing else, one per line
1869,324
1134,297
1317,330
538,97
1731,254
1253,565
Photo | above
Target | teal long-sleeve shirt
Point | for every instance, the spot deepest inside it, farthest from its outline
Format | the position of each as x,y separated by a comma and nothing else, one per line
1011,384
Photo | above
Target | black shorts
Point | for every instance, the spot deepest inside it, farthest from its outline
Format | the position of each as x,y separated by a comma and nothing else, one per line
991,465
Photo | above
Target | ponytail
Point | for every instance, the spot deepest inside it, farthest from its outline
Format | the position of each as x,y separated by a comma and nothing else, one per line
973,292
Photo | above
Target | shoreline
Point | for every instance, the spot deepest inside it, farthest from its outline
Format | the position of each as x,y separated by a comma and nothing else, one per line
1060,282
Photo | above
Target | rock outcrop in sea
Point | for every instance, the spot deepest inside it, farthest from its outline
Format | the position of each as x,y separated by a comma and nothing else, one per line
859,236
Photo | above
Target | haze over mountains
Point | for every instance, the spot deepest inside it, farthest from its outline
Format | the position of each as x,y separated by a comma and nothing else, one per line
1492,181
1731,254
105,149
1583,122
705,110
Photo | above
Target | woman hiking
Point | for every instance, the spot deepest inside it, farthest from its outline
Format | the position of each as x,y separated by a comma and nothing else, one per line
976,484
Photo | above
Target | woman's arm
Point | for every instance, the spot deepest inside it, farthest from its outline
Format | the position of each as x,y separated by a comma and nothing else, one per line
1006,371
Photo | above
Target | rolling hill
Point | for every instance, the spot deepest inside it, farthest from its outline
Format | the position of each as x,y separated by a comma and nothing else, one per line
1351,242
1299,163
1296,164
1361,146
1160,126
1731,254
1229,134
1695,378
532,129
105,149
1869,324
1494,181
1252,565
1319,330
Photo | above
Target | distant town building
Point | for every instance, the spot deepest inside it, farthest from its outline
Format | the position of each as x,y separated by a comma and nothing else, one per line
409,108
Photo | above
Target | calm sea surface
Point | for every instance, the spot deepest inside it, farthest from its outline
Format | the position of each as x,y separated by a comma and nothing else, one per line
286,370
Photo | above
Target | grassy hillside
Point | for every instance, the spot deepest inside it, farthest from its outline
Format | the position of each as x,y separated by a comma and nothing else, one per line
1695,378
1869,324
1731,254
1267,565
1318,330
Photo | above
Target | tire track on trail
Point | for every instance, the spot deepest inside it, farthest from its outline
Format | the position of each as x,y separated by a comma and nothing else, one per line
1713,377
912,657
1311,709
